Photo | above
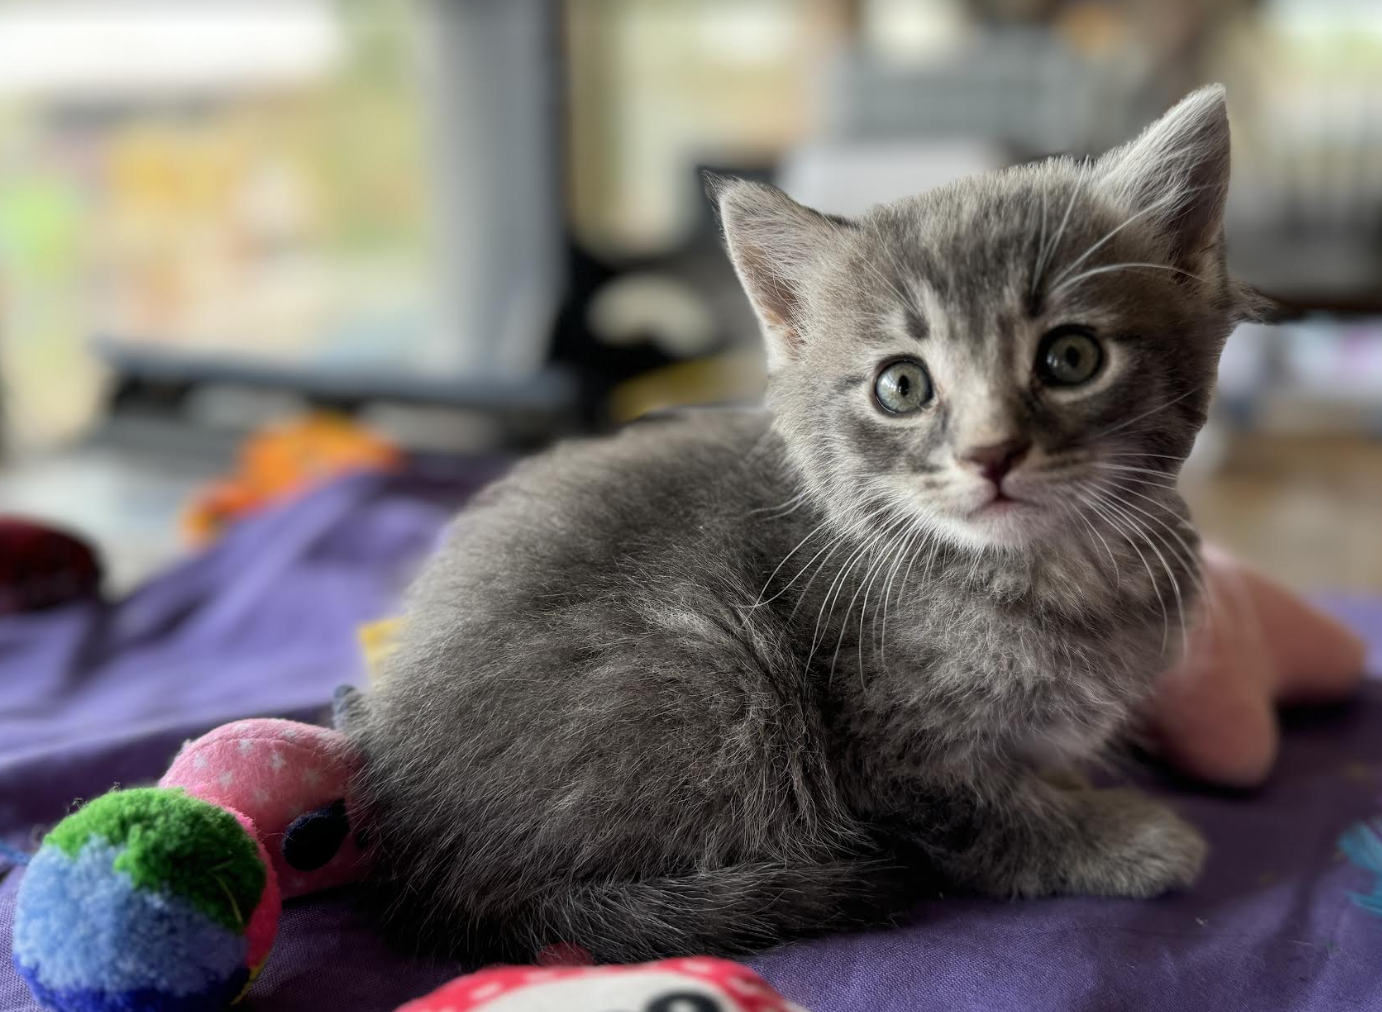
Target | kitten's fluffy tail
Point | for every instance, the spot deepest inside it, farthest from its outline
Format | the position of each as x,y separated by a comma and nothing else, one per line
722,912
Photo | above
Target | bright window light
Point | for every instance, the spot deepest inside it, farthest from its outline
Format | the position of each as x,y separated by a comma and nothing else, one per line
114,48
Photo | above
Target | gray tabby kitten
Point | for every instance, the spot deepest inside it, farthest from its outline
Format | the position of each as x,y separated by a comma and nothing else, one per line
723,681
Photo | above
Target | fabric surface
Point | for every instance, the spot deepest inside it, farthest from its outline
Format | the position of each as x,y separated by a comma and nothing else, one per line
262,625
265,624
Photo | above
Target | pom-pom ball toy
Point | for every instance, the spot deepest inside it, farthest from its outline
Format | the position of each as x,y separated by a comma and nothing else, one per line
146,899
166,899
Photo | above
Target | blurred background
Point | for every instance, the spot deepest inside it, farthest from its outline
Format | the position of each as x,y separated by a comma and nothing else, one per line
352,229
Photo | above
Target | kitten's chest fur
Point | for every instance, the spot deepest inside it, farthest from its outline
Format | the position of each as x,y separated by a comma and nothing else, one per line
963,661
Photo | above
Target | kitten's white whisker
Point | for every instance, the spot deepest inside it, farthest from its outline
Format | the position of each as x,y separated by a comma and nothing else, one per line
1101,466
1190,557
897,553
806,587
1147,533
838,537
1150,411
1098,508
832,598
1071,511
835,590
882,536
773,575
1148,456
905,554
930,558
791,506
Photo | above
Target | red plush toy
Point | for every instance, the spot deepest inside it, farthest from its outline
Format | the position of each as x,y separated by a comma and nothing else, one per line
41,566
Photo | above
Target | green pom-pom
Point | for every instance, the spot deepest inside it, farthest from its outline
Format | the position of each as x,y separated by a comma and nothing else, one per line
174,842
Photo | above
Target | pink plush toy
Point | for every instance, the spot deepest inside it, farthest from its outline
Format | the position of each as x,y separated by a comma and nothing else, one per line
291,781
1256,646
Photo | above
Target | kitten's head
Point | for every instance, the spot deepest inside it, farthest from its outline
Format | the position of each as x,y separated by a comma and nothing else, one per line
1008,353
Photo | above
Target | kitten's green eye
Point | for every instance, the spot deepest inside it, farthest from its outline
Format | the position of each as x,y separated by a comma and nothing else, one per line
1068,356
902,387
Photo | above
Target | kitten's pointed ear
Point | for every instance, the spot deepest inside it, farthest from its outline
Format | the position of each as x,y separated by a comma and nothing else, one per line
1176,174
774,243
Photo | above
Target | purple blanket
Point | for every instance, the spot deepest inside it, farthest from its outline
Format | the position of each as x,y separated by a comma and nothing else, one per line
265,624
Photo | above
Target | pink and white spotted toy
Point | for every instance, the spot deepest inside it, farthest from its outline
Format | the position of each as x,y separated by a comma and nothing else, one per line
292,781
698,984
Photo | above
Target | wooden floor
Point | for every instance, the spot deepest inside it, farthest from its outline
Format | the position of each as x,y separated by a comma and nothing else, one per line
1307,511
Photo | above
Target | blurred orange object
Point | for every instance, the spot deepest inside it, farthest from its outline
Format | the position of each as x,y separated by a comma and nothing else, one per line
282,460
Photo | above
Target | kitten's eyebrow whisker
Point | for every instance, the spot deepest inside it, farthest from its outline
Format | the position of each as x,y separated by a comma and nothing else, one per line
905,297
1120,267
1060,230
1041,247
1155,205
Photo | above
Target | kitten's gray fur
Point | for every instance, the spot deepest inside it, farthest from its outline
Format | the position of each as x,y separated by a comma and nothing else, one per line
723,681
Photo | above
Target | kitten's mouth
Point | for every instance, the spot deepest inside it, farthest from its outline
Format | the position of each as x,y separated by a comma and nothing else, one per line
1001,502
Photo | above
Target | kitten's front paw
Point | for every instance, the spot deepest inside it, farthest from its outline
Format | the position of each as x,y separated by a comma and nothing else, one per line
1132,846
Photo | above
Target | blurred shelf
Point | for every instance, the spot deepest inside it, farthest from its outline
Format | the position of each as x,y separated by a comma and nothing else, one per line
551,391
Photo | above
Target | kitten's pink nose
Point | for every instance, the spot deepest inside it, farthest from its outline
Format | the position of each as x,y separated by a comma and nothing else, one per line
997,459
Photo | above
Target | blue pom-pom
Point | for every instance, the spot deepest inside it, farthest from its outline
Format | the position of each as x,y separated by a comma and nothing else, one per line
87,938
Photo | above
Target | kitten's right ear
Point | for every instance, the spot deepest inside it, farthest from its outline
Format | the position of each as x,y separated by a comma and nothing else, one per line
1176,171
773,242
